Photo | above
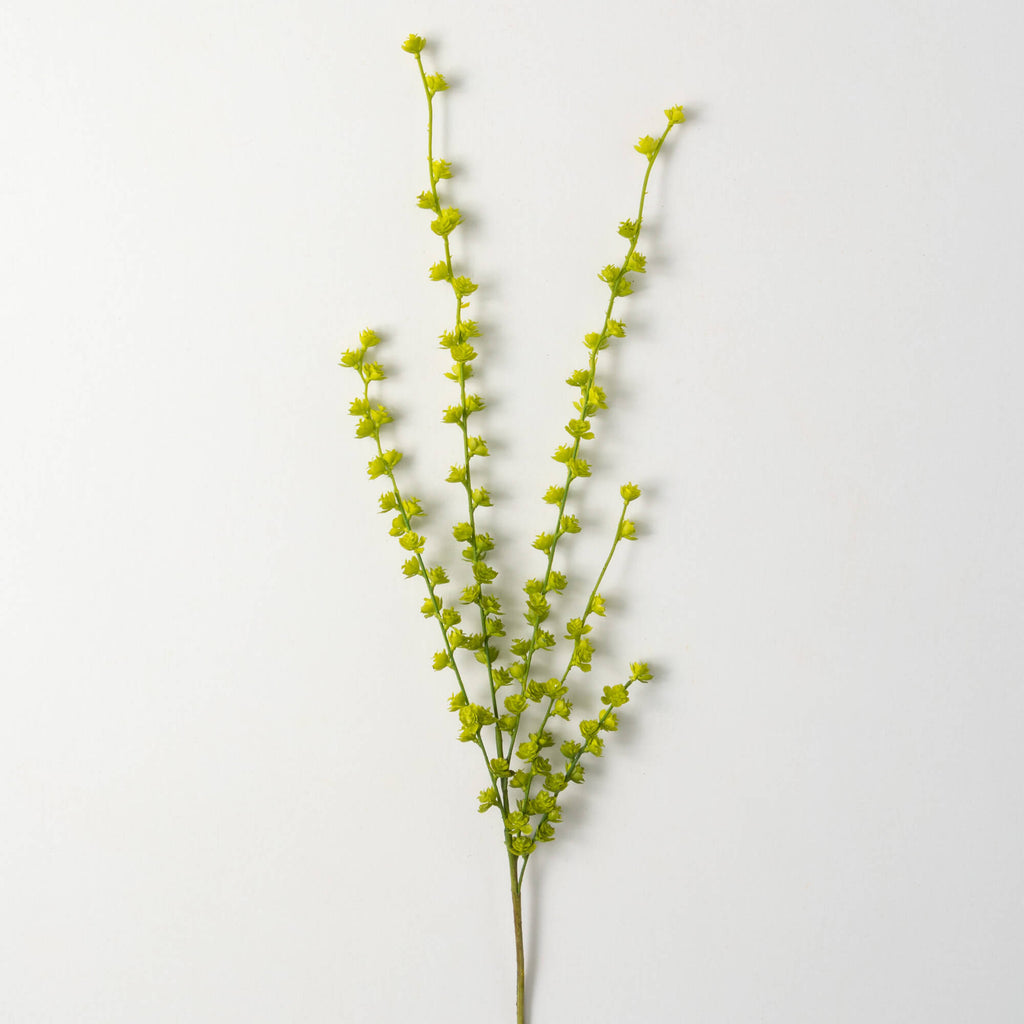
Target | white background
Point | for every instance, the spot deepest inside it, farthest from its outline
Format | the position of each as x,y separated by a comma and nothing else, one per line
230,788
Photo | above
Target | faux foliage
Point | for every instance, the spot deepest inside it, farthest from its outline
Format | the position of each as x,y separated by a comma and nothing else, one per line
530,752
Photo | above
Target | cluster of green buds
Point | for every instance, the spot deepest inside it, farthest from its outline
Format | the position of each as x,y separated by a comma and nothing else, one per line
513,721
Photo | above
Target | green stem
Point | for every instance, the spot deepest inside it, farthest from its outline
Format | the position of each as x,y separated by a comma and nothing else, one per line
426,579
568,667
570,765
468,478
517,922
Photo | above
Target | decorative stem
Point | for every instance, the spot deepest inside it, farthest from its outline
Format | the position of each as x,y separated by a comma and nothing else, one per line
517,921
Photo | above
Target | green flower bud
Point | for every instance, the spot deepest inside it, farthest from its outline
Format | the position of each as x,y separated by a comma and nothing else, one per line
414,44
637,262
579,428
519,822
555,782
569,524
647,146
484,573
527,750
562,708
639,671
521,846
615,696
576,628
436,84
515,703
412,541
544,802
557,581
447,221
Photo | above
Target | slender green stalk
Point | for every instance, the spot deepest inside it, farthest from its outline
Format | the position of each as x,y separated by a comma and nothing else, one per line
488,626
402,506
517,924
571,462
588,611
529,818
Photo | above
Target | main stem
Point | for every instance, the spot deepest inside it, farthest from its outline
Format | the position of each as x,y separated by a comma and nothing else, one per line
517,921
